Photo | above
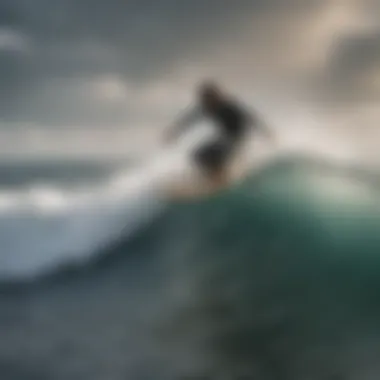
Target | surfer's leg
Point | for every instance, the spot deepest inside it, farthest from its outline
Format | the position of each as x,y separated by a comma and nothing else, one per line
213,160
219,177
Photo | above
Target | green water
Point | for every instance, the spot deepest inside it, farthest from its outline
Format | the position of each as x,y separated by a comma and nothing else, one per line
282,274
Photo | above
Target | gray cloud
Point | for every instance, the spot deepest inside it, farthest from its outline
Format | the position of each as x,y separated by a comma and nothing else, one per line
69,43
357,60
132,36
352,75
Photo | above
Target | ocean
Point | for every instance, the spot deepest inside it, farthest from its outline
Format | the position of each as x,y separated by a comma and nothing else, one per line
274,278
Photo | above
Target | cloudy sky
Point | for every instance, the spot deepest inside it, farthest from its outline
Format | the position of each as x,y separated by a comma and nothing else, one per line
97,64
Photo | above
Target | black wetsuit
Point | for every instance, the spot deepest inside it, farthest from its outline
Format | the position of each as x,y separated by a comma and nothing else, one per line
233,122
231,118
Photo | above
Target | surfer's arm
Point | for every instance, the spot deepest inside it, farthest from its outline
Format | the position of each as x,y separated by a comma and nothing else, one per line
183,123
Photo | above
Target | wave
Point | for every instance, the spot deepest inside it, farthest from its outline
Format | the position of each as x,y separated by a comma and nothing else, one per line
293,248
275,272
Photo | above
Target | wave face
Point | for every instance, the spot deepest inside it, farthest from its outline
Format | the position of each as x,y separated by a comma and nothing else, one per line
278,278
275,278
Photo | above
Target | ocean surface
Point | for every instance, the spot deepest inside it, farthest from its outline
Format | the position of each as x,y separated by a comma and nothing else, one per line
276,278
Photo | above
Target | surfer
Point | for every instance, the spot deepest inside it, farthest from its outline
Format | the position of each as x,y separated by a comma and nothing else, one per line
233,122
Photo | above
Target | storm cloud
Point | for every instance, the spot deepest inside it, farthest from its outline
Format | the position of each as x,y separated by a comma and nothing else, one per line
354,71
82,62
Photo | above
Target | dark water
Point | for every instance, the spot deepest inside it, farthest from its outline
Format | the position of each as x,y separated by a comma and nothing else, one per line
274,279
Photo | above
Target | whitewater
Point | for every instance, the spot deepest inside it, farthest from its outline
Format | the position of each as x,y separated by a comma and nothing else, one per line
44,226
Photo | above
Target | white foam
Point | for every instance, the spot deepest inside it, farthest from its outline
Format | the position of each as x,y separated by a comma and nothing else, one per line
44,226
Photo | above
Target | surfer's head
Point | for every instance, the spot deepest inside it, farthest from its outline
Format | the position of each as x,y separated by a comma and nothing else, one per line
210,94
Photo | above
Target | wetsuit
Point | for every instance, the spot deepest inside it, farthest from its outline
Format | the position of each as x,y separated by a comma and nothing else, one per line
233,122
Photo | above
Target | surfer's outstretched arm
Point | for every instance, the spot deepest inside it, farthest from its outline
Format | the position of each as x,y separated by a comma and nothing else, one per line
183,123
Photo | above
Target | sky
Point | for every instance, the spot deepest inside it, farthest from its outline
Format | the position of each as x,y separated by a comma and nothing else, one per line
90,66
